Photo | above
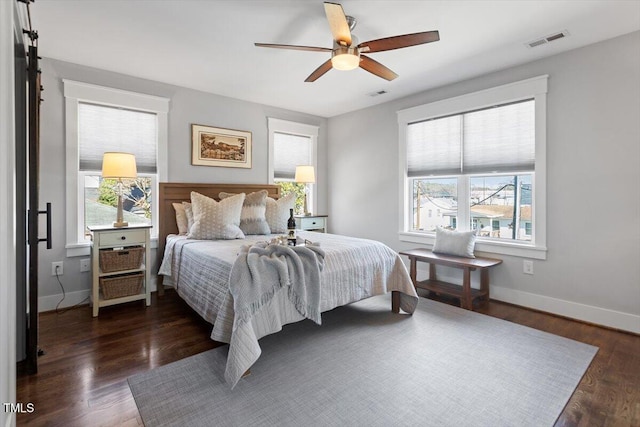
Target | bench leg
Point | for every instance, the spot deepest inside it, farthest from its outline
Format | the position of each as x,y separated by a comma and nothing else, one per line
466,301
413,271
484,283
395,301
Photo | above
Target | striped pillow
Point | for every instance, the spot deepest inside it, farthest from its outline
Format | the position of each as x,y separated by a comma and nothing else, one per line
253,217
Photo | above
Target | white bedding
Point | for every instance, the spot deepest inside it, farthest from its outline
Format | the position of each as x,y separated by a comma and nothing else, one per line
354,269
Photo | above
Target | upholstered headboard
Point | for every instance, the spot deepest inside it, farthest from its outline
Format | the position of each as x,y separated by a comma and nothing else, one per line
178,192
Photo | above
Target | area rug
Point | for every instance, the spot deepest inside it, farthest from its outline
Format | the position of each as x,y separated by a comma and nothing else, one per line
365,366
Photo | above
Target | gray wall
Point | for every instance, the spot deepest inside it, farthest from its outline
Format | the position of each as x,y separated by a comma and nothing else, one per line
592,270
186,107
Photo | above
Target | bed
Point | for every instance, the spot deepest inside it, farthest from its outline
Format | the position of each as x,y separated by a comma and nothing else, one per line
200,271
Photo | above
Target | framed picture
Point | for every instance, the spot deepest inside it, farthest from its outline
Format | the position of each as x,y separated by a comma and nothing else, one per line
211,146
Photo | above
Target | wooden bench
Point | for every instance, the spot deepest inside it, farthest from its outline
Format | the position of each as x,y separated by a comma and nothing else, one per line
465,292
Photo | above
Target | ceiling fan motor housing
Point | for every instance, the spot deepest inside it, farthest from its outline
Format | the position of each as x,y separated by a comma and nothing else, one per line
345,57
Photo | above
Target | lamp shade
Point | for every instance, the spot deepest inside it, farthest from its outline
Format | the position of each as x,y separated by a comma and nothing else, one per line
119,165
305,174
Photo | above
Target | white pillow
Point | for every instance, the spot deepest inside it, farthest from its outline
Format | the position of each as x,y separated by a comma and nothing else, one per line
181,218
216,220
278,212
458,243
253,217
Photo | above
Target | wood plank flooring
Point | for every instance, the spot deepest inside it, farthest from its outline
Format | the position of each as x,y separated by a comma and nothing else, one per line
82,378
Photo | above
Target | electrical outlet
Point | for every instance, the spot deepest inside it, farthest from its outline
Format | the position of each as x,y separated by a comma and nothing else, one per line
527,266
85,265
57,268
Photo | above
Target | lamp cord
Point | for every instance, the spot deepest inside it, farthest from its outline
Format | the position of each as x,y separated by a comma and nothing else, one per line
64,295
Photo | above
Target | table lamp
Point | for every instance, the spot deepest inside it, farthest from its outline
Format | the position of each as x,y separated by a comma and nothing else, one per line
119,165
305,174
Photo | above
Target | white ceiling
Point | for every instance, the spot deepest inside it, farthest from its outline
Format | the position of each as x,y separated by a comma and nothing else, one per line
208,45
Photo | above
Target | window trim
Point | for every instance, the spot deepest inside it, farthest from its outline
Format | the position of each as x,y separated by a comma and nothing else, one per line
295,128
75,92
535,88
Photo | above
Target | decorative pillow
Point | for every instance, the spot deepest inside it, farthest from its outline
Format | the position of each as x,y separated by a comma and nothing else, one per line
459,243
278,212
188,210
252,218
181,218
216,220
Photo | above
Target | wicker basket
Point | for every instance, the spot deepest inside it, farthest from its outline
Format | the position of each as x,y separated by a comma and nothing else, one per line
128,258
121,286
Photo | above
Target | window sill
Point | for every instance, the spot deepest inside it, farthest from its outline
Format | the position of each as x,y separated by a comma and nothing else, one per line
84,248
486,246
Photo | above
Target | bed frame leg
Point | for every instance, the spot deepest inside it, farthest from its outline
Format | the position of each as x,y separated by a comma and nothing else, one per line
395,301
159,286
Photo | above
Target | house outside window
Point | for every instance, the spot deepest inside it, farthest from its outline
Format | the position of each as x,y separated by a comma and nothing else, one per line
100,119
292,144
480,159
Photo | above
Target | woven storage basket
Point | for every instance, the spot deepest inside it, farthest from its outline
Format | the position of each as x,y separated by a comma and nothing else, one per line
121,286
128,258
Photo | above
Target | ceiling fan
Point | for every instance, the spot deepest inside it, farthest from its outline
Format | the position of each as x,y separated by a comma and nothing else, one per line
346,53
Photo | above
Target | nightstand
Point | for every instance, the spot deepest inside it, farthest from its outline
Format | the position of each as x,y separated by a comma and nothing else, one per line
119,265
312,222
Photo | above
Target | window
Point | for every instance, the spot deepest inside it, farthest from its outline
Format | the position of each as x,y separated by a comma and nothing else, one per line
480,160
292,144
100,119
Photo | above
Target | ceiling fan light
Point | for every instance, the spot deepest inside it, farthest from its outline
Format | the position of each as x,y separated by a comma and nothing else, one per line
345,61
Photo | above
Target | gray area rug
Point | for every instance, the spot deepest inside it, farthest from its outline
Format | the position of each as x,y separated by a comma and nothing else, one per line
366,366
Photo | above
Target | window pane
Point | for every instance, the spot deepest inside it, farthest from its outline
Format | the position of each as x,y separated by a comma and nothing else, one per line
435,203
500,206
101,200
294,187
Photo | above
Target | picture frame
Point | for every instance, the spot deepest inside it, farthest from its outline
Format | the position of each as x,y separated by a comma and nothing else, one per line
213,146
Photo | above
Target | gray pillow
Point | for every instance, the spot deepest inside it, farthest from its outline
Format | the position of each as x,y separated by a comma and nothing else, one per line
181,218
253,218
458,243
189,214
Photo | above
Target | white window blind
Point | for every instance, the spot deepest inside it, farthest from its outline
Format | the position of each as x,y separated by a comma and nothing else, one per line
498,139
103,128
433,147
290,151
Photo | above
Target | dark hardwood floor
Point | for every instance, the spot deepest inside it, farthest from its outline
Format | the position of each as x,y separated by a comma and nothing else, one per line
82,378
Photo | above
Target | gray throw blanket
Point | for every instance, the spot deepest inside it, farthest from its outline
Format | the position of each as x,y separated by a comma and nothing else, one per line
257,275
262,269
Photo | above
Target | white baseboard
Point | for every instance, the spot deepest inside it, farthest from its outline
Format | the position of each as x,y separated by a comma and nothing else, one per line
574,310
49,302
587,313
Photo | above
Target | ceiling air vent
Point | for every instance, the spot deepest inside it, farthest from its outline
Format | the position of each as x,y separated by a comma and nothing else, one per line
548,39
378,93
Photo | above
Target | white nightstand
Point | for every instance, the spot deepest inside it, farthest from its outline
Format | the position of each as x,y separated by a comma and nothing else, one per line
312,222
121,242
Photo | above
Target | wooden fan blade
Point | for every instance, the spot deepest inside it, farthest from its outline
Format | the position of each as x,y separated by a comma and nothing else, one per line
294,47
397,42
374,67
338,23
319,72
